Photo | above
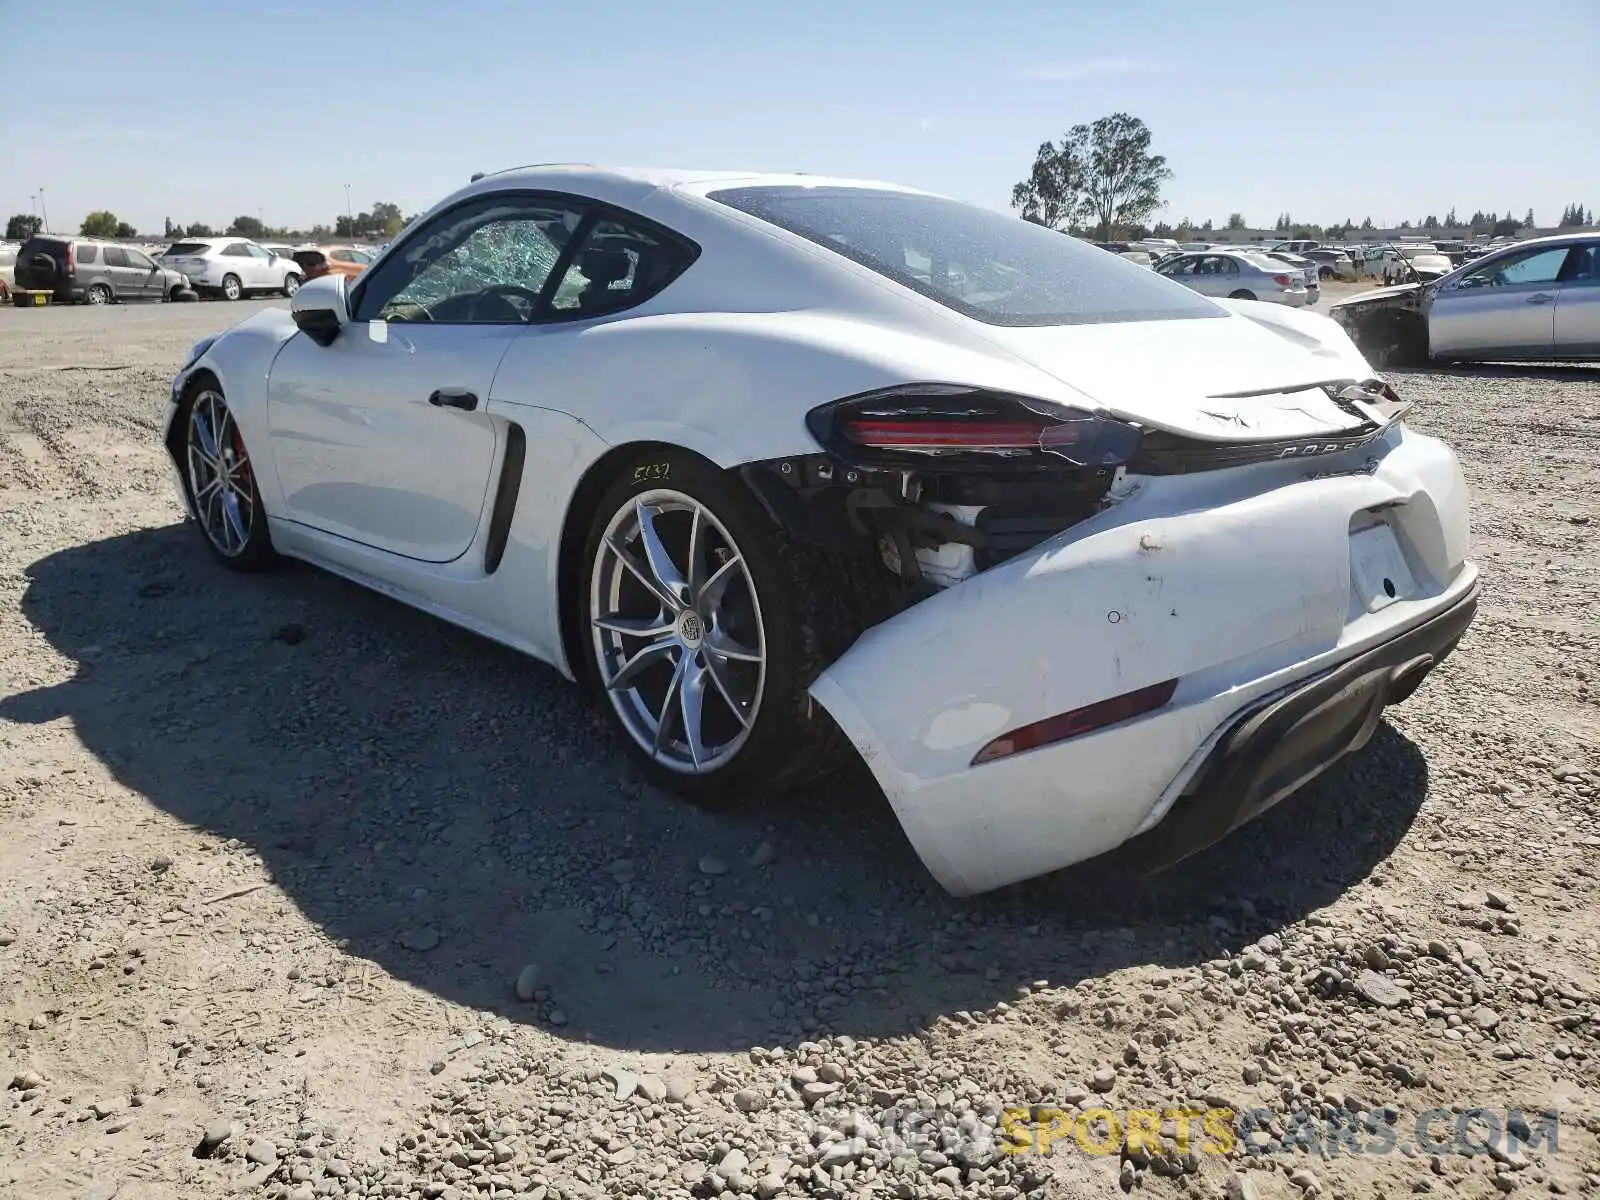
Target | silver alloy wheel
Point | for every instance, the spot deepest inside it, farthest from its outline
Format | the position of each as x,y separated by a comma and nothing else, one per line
98,295
220,475
291,284
231,288
681,648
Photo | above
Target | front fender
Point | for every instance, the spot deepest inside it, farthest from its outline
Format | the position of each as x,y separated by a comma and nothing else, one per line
240,360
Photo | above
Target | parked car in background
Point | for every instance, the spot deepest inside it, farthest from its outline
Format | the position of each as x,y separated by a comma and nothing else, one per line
317,261
281,249
1239,275
1296,245
233,267
1307,268
8,262
1538,299
1333,264
93,271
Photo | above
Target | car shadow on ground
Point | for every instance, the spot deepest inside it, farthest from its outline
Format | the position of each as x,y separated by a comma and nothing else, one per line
397,775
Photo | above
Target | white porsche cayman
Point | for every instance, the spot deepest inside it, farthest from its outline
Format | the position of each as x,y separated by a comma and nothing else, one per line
782,466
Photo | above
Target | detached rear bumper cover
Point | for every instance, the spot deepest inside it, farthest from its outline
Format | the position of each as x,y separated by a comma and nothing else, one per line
1237,583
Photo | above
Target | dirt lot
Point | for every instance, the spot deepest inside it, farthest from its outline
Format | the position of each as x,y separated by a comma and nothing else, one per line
278,856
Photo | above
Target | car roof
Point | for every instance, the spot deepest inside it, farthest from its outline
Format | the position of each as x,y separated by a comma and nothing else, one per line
625,185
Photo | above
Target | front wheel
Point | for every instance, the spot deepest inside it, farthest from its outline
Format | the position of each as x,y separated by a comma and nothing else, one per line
222,483
232,289
291,284
702,627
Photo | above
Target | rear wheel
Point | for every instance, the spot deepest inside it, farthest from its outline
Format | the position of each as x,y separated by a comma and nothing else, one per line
291,284
702,627
99,293
222,483
1324,273
232,289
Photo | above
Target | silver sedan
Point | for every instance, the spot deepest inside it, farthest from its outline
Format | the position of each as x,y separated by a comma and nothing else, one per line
1537,299
1238,275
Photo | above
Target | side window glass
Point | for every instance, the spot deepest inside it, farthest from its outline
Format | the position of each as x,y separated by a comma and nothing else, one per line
1539,267
485,262
620,265
116,256
136,259
237,250
1583,266
86,252
256,251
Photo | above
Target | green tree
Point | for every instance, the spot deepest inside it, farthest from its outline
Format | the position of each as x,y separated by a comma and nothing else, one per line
247,226
1052,194
1366,223
125,230
198,229
1506,227
1102,172
1235,221
1527,221
1450,218
99,224
1430,222
22,227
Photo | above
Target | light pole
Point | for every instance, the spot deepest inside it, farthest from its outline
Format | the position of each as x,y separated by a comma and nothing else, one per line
44,213
349,216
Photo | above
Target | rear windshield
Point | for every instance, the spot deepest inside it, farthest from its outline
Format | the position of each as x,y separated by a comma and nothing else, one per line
994,268
187,248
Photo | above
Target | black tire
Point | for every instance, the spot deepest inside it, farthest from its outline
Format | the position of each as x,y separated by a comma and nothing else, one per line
291,284
232,289
1325,273
99,293
1242,294
256,553
812,608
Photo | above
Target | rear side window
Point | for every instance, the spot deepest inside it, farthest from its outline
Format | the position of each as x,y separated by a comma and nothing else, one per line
178,248
993,268
116,256
86,252
617,267
237,250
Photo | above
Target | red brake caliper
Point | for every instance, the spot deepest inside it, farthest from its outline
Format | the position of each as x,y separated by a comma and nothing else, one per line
241,460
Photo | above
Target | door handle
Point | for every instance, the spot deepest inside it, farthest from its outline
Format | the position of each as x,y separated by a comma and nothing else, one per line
454,398
1540,298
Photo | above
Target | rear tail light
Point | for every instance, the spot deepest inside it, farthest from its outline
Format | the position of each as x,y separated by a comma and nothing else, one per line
1283,281
1077,722
930,425
72,265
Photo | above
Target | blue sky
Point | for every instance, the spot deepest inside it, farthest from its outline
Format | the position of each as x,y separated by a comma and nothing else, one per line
200,110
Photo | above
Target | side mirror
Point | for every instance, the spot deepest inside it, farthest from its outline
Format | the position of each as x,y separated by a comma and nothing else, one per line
321,309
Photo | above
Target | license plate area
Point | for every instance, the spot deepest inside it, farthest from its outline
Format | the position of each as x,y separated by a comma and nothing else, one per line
1379,572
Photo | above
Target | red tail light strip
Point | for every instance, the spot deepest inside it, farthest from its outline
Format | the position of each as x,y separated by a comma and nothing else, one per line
1079,721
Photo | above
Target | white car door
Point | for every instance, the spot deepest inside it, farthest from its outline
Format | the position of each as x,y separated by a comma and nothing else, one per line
265,270
382,436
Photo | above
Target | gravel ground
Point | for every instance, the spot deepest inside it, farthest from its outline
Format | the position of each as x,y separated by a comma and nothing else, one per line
305,894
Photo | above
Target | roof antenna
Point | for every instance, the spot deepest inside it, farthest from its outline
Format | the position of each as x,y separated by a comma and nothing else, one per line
476,175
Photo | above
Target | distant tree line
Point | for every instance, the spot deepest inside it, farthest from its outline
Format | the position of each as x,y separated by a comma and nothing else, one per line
381,222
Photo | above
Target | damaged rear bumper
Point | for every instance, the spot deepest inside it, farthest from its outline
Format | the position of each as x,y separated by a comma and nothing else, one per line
1289,741
1246,586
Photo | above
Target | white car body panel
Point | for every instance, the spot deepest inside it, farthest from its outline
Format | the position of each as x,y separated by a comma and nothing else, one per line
1152,588
361,475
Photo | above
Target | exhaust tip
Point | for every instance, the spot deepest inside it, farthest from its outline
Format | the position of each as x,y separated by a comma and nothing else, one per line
1407,678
